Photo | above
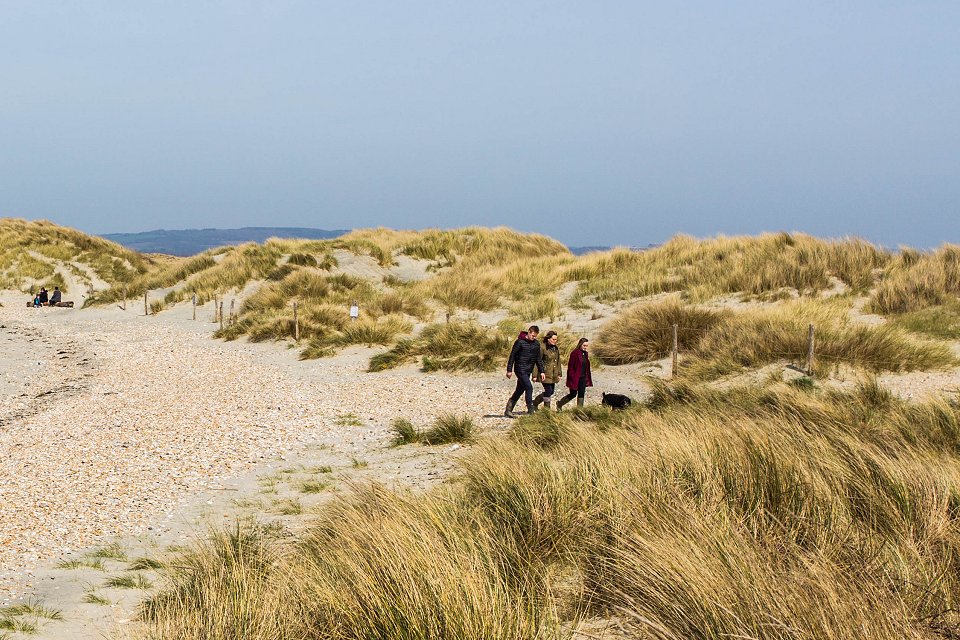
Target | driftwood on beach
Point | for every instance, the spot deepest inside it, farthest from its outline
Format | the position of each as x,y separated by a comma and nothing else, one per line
64,303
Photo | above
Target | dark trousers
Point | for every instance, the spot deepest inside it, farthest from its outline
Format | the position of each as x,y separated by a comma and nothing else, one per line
579,392
524,388
548,390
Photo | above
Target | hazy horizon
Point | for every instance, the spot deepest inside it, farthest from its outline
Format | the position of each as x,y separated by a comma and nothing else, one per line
608,123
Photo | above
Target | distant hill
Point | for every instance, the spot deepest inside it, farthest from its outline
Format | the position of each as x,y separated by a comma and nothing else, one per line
579,251
189,242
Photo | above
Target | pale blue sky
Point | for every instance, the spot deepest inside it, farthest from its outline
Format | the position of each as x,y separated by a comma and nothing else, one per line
595,122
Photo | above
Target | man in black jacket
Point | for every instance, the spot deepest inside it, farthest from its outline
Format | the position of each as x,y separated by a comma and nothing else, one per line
524,356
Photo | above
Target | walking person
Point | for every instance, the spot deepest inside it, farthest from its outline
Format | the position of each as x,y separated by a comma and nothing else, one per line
551,369
524,356
578,373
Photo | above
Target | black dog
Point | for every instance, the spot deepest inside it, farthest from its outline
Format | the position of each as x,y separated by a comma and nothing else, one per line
615,401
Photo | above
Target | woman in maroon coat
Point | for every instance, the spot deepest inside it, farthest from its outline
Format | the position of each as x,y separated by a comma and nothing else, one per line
578,373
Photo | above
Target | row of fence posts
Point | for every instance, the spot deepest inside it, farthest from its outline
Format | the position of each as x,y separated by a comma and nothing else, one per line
218,315
675,350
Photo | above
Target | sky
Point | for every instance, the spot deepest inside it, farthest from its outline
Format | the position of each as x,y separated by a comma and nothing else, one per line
597,123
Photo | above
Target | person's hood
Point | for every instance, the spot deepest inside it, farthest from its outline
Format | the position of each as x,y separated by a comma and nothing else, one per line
523,336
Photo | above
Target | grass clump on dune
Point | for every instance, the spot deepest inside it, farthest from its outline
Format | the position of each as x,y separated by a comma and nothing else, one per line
915,281
538,308
737,513
236,268
645,331
367,331
404,432
941,321
450,428
453,346
764,336
32,251
716,343
323,312
726,265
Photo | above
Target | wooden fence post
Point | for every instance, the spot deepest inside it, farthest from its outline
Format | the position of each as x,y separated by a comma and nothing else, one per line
221,315
146,309
194,306
124,296
296,323
810,350
673,352
233,317
215,316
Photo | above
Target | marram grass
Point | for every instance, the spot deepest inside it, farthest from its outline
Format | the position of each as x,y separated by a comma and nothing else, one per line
763,513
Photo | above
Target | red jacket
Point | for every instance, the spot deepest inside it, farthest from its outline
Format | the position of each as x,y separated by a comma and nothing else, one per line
578,359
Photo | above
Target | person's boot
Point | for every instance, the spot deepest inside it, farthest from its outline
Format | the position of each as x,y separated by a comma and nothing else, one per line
562,401
531,409
537,401
508,412
579,401
546,404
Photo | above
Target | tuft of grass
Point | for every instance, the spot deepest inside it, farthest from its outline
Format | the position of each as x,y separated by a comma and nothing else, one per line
303,260
92,597
32,608
287,507
112,551
313,486
348,420
145,564
357,463
320,469
82,563
804,383
449,428
17,626
129,581
404,432
370,332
